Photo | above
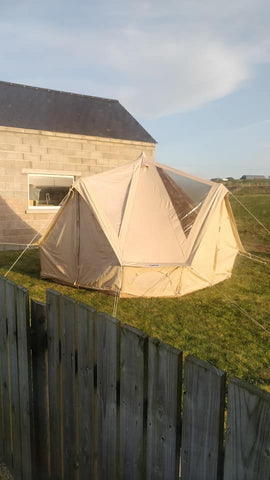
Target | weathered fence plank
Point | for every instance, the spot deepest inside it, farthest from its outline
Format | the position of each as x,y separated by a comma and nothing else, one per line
25,381
86,393
5,376
2,314
2,434
14,378
40,390
203,420
54,383
164,409
247,453
107,383
133,391
68,387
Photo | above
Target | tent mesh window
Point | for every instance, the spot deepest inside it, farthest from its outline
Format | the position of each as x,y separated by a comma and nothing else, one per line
187,196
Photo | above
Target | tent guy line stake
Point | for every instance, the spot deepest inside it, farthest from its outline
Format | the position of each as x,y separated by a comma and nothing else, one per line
115,305
255,258
117,293
251,255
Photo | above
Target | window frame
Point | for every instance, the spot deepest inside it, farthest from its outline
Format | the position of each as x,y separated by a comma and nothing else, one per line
44,207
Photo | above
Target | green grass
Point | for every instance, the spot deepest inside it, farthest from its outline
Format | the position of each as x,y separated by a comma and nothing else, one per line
205,323
255,196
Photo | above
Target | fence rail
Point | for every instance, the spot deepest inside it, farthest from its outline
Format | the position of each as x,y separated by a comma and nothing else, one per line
85,397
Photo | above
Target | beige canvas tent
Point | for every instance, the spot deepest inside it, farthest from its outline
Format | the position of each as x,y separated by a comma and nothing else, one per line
143,229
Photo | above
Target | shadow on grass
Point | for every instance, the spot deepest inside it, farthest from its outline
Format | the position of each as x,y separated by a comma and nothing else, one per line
28,264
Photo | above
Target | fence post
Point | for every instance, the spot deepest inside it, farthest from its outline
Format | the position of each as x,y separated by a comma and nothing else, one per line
41,444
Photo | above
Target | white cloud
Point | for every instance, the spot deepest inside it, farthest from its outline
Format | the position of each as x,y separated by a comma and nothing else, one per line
158,58
170,75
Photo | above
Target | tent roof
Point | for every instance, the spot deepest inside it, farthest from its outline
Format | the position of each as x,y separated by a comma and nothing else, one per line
141,201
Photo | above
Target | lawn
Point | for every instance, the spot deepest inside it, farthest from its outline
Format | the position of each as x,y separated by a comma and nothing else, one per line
205,323
256,198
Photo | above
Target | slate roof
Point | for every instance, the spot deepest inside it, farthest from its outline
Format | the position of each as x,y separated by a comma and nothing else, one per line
36,108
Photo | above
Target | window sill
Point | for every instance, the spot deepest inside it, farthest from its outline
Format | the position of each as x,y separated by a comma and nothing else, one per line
42,210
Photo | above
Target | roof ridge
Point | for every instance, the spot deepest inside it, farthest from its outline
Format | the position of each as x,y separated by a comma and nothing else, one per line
32,87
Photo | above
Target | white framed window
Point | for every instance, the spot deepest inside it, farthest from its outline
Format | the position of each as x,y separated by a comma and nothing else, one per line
47,191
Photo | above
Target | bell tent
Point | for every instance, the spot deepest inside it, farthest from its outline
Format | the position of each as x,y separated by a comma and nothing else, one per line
143,229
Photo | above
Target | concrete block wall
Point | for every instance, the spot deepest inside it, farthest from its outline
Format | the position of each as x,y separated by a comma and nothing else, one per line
30,151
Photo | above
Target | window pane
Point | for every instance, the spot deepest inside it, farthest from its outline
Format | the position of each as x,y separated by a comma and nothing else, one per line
46,190
186,194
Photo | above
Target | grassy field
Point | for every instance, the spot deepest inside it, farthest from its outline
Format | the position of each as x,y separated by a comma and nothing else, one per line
205,323
256,198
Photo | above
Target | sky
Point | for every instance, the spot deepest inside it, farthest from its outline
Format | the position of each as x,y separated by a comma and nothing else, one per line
194,73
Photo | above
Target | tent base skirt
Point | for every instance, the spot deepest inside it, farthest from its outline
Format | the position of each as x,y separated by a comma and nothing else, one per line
170,282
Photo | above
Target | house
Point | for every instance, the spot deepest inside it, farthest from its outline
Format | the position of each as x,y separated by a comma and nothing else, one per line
252,177
48,139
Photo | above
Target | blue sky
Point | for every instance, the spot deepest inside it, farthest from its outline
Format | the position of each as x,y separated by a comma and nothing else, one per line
195,73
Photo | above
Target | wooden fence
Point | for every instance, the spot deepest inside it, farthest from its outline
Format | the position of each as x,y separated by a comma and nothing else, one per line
84,397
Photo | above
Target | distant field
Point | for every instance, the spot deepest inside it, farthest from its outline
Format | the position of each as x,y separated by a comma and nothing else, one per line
249,187
205,323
